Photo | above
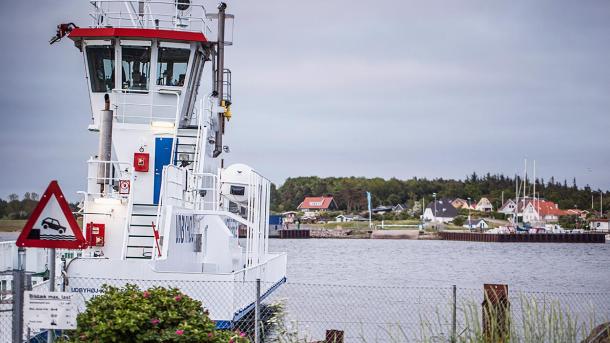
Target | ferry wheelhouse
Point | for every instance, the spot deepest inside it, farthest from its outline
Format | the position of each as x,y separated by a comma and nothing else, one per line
160,206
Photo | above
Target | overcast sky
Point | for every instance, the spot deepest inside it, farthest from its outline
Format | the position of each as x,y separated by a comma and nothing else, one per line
340,88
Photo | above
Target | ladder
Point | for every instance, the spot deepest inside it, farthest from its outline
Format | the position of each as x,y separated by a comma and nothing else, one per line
141,238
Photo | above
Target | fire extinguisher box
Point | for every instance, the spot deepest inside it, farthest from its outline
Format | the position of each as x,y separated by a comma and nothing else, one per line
140,161
95,234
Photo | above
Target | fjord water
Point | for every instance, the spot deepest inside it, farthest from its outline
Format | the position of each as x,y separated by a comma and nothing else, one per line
420,263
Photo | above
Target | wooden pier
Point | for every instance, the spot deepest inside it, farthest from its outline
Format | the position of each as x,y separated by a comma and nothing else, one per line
524,237
294,233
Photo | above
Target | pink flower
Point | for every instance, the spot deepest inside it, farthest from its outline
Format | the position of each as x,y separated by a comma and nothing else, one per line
243,334
178,298
179,332
231,340
210,334
154,321
146,294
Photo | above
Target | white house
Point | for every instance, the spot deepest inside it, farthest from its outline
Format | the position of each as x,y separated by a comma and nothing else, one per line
599,225
343,218
289,217
484,205
509,207
440,211
476,224
543,211
399,208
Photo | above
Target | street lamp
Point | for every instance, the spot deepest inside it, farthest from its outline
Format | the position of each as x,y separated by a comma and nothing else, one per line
469,222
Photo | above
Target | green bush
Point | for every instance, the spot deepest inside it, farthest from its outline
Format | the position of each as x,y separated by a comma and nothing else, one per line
155,315
498,215
458,221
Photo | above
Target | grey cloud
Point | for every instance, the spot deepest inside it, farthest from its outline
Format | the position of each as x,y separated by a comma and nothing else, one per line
380,88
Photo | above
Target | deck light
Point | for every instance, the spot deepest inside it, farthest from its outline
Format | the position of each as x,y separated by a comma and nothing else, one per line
162,125
107,201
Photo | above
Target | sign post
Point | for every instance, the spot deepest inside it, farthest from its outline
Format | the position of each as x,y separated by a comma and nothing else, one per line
51,226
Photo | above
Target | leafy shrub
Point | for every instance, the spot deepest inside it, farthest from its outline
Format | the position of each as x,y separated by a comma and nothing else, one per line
458,221
155,315
498,215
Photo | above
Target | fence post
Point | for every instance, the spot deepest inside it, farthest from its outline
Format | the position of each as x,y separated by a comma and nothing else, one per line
50,332
63,273
496,312
257,312
454,316
18,288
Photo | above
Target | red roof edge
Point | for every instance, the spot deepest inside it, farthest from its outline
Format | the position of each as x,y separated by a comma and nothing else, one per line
101,32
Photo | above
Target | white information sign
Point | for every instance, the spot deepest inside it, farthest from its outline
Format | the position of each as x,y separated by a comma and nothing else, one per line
54,310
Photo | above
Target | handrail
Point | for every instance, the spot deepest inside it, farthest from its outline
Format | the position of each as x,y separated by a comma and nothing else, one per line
121,104
108,13
128,217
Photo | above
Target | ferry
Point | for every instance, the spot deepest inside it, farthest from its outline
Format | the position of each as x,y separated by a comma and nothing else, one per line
161,207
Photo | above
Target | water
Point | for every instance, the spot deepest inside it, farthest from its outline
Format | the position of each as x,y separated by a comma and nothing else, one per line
393,290
536,267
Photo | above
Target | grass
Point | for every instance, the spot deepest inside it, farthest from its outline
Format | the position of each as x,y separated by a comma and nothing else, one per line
10,225
531,321
15,225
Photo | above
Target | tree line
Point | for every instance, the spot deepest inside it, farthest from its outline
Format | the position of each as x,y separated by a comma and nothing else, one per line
15,208
349,192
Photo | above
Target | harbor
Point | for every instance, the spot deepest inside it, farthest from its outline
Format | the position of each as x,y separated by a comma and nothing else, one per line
186,171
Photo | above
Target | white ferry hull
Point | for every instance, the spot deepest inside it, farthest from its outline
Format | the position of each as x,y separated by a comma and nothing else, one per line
227,296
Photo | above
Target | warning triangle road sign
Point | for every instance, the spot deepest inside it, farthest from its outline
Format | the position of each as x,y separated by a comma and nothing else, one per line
52,224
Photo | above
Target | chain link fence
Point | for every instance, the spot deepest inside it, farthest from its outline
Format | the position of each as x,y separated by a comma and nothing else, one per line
305,312
6,306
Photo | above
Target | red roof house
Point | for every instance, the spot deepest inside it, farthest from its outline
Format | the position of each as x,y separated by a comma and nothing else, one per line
544,210
318,204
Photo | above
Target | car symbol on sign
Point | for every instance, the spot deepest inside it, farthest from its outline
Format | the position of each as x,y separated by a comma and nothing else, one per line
51,223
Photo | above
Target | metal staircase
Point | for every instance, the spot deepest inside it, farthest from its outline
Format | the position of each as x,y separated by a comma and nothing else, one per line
141,239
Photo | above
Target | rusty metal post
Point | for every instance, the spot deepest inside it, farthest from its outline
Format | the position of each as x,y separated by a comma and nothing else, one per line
454,315
496,313
334,336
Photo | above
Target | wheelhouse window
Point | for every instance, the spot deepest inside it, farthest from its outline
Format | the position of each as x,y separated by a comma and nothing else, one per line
135,67
100,60
172,66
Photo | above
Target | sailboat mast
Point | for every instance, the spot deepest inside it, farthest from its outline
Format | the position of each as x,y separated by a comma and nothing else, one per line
534,182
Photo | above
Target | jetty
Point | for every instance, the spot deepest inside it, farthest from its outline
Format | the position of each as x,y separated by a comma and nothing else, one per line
524,237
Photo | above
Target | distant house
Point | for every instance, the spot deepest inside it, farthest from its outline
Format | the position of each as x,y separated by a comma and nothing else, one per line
543,211
440,211
578,213
476,224
599,225
399,208
509,207
460,203
382,209
343,218
484,205
289,217
318,204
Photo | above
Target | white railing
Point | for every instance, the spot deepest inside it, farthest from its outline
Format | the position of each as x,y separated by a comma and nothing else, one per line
129,110
8,250
257,217
122,171
206,184
150,14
